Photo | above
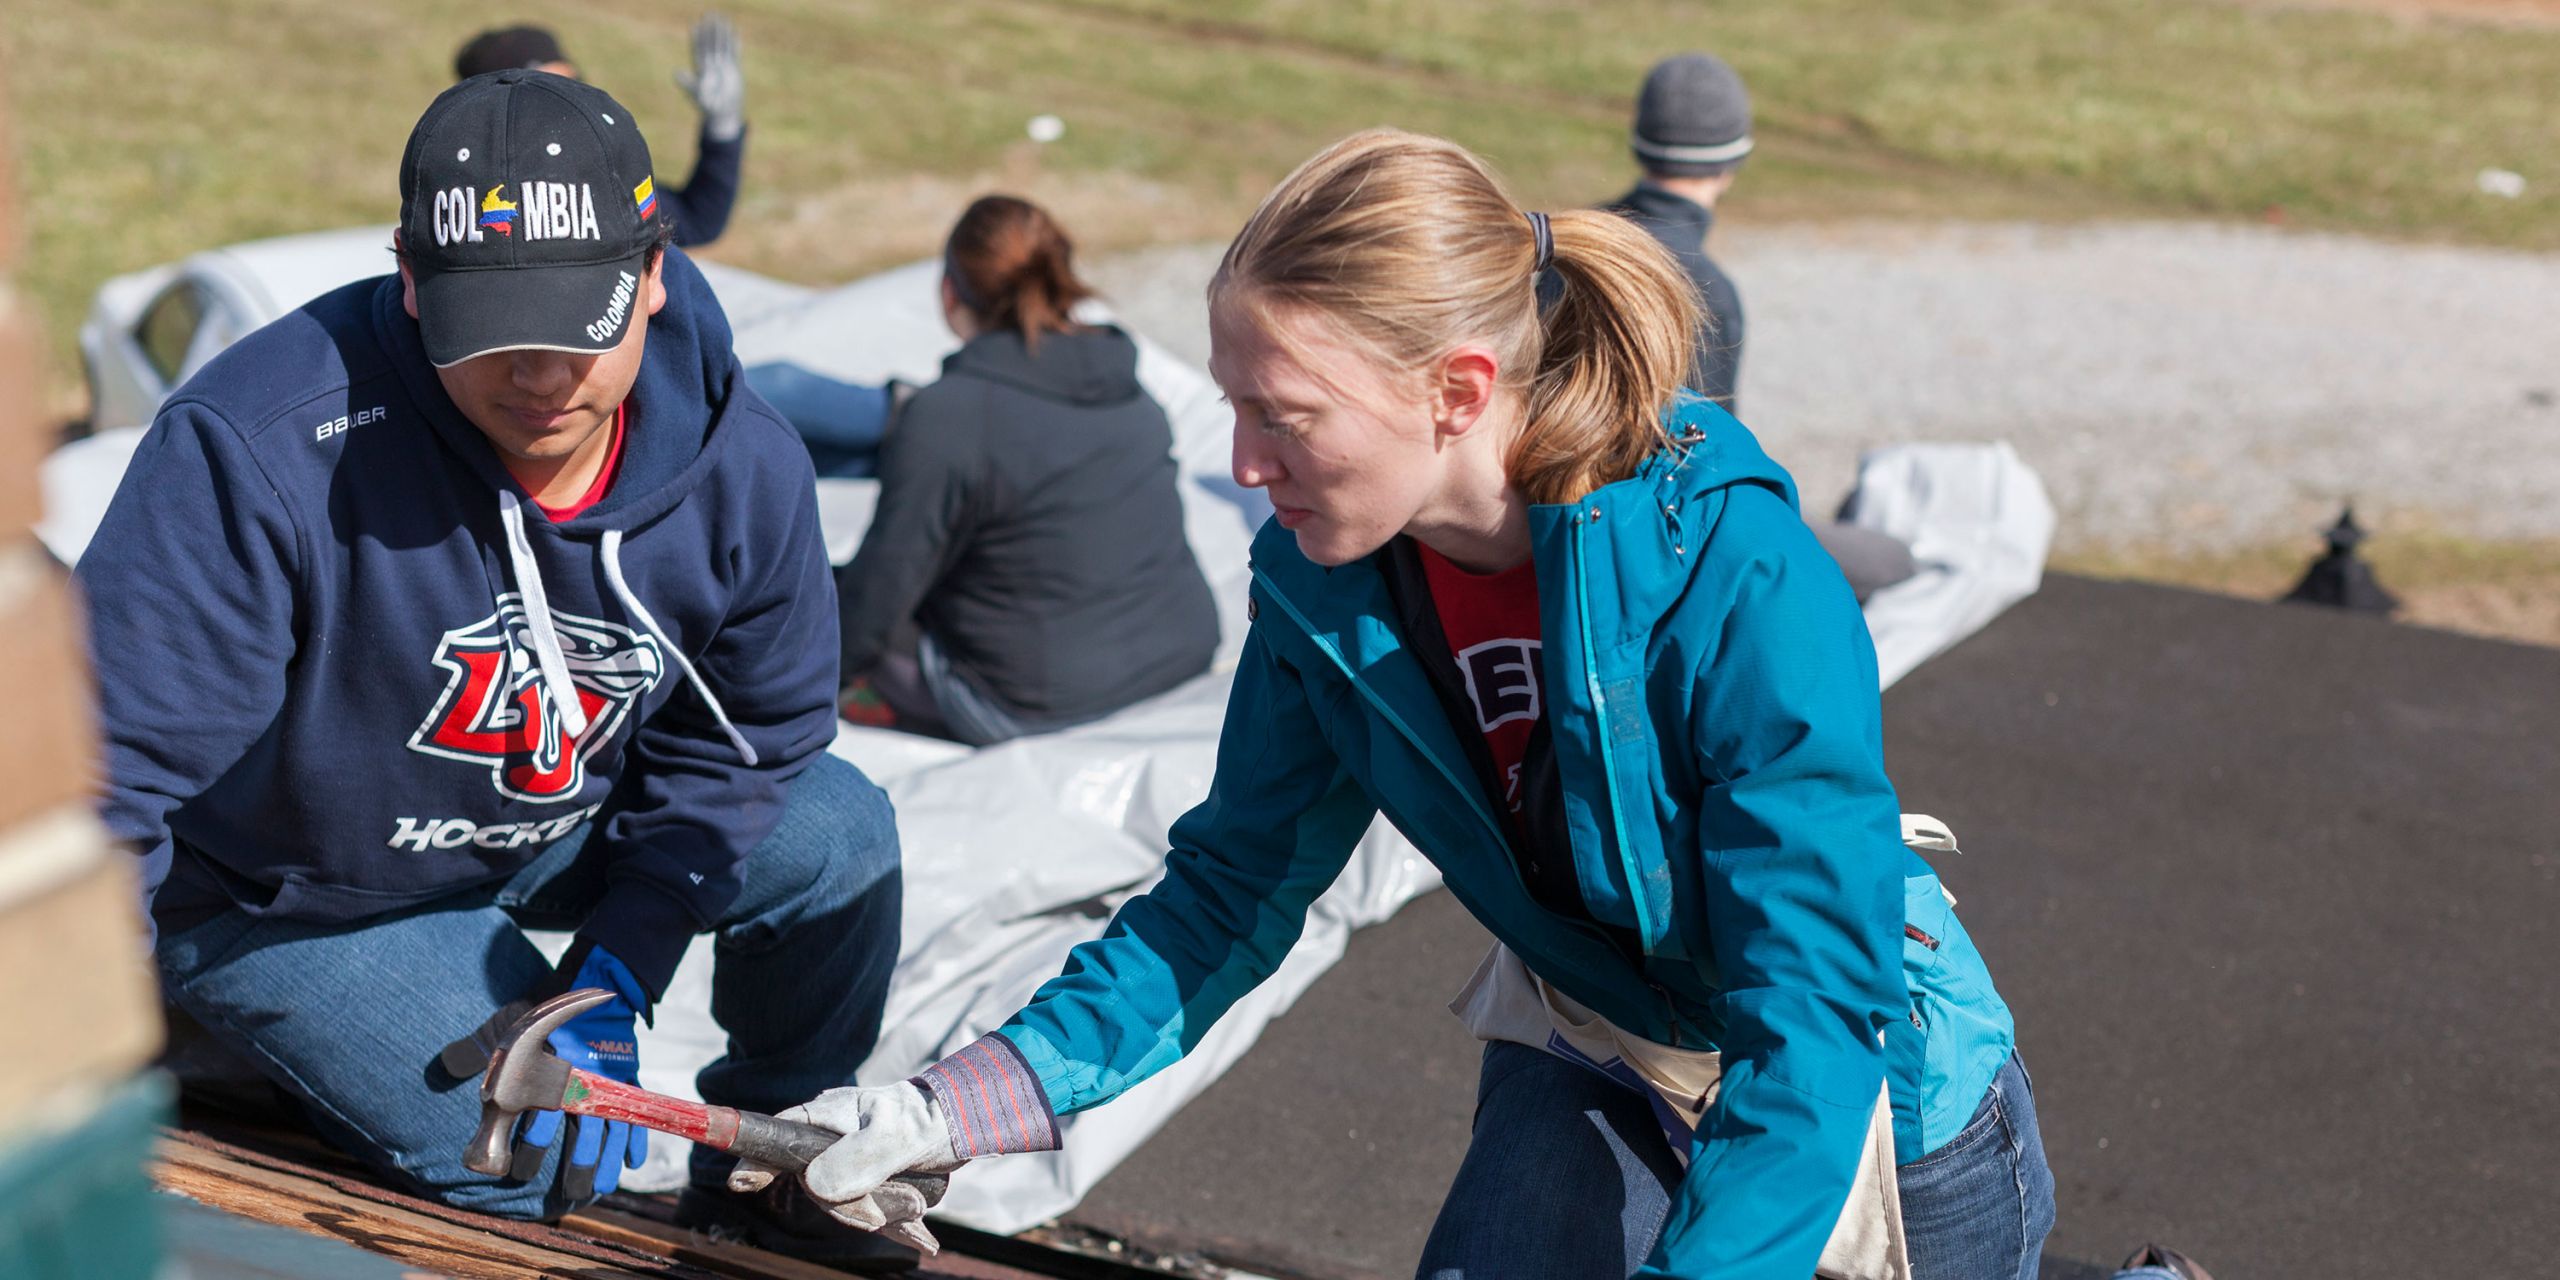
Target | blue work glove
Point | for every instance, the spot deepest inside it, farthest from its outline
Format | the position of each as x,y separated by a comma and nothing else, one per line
603,1041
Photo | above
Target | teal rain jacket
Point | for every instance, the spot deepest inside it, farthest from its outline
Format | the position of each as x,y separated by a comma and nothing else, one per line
1712,696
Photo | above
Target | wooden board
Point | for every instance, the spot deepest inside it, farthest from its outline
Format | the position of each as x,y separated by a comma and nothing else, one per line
307,1188
434,1245
679,1244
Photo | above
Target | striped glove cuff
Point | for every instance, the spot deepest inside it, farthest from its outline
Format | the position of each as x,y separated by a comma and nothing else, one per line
991,1100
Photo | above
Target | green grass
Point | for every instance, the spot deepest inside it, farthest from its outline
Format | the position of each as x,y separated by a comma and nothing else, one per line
146,129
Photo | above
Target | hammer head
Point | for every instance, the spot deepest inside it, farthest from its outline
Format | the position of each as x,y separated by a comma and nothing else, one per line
524,1076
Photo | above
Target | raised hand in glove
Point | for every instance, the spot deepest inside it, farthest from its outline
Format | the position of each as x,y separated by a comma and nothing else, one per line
601,1040
889,1130
718,83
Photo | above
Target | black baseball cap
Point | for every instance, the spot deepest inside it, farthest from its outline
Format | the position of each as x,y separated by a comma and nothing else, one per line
527,213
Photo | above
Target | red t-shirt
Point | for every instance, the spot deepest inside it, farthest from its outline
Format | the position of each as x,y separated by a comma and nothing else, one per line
1491,620
604,478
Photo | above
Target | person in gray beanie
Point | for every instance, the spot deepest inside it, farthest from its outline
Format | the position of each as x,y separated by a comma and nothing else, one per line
1692,132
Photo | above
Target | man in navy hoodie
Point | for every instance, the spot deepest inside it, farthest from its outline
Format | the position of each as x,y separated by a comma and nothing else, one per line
483,596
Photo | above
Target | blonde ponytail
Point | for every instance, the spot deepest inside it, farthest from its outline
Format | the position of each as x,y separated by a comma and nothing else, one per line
1618,343
1407,245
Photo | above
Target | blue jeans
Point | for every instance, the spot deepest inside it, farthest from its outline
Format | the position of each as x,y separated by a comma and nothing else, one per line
1981,1204
842,423
349,1018
1569,1177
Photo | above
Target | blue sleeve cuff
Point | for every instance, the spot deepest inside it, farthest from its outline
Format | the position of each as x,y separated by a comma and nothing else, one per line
644,928
991,1101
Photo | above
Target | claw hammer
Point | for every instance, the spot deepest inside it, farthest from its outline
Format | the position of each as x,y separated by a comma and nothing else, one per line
524,1076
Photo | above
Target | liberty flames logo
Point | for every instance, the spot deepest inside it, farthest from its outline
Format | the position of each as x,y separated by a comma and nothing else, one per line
496,710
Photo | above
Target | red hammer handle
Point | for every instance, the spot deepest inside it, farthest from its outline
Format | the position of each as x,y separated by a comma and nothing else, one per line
767,1140
606,1098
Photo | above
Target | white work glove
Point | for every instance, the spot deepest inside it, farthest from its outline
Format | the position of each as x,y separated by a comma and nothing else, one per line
718,83
888,1130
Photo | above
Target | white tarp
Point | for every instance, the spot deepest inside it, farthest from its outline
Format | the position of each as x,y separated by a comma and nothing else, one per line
1978,523
1015,853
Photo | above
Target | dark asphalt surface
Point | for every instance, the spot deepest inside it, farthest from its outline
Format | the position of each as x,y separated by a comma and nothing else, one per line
2271,890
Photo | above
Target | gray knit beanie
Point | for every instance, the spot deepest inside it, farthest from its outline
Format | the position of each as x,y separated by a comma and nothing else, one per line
1693,119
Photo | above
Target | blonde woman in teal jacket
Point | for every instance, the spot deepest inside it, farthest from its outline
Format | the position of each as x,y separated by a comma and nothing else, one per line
1560,622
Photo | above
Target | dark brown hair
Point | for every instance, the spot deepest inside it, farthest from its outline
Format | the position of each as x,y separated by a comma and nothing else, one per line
1013,267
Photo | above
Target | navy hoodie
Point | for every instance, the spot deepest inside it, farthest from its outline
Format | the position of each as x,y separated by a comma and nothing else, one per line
338,647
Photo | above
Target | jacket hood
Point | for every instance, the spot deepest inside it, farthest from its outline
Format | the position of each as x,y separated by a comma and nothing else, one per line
1649,530
689,376
679,407
1093,366
1709,450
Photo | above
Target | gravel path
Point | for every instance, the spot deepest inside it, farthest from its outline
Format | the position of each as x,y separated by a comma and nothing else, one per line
2181,387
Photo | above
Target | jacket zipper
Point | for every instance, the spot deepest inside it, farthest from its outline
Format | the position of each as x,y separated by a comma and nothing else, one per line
1608,756
1609,777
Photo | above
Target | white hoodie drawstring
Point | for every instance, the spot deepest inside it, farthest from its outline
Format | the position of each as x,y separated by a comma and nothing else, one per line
622,592
537,615
546,635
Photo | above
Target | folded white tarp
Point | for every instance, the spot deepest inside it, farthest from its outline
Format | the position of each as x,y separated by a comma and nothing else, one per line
1979,525
1016,853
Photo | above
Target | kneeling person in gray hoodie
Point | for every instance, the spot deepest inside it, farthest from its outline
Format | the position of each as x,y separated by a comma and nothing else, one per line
1026,569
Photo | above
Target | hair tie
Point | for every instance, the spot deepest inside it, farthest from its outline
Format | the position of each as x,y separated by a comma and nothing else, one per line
1546,239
